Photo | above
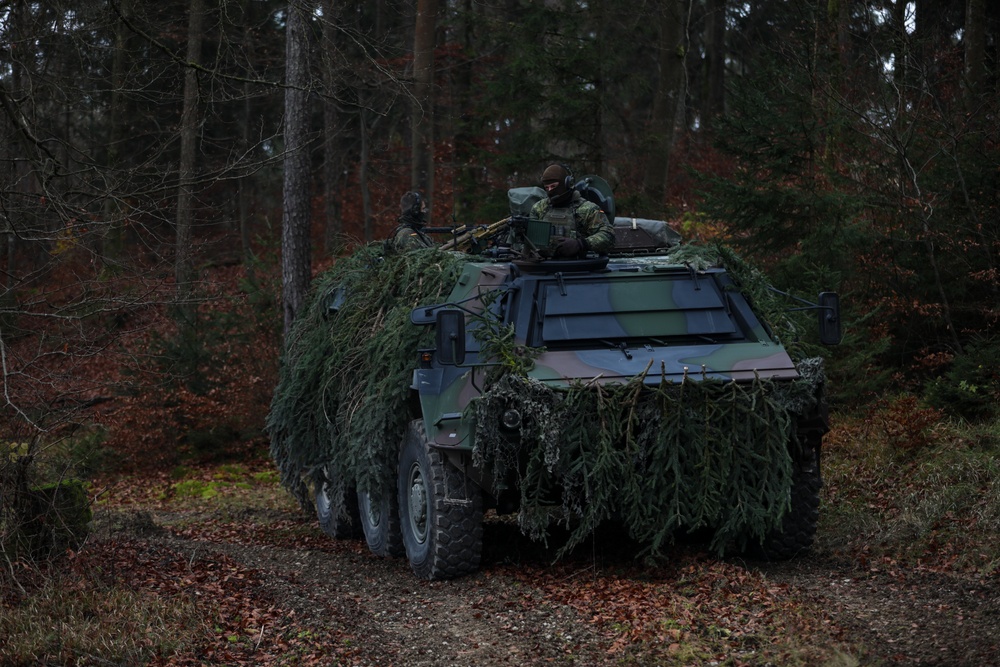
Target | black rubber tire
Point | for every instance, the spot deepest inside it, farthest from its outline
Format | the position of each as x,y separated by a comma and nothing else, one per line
339,520
798,527
440,511
380,524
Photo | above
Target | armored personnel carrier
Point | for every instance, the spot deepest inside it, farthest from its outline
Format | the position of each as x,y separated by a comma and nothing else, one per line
647,387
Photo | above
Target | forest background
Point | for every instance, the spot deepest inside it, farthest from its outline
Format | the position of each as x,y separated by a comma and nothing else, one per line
174,173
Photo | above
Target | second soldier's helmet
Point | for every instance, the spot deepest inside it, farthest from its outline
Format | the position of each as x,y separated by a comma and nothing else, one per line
412,207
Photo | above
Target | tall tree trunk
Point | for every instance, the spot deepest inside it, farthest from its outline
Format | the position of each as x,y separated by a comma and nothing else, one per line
20,167
669,97
189,140
463,131
900,41
332,160
929,32
296,265
715,62
114,239
599,143
422,161
26,223
244,184
366,199
975,50
832,41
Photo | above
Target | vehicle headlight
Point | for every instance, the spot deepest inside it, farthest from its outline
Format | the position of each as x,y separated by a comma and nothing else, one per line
511,418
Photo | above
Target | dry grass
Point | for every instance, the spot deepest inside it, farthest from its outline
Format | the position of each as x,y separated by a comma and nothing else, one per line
933,499
76,621
98,606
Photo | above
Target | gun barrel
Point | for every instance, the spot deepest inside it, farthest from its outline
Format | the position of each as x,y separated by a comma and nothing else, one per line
464,240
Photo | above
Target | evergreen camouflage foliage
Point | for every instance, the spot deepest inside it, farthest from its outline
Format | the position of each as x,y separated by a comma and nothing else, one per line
342,394
701,453
696,454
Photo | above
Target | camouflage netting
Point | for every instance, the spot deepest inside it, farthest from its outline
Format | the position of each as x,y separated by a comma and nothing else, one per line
699,453
342,395
694,454
702,453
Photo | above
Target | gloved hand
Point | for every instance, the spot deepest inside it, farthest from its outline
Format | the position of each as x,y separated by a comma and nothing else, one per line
566,248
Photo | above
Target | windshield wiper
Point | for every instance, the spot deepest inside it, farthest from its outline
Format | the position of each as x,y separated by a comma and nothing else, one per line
623,346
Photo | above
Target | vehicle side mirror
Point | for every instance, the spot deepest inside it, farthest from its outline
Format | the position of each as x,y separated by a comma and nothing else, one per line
334,302
450,336
829,318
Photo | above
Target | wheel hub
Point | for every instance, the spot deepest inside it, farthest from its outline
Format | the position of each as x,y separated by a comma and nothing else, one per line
418,505
374,513
323,493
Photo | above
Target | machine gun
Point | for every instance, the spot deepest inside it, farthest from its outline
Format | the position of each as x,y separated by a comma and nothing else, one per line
473,238
527,234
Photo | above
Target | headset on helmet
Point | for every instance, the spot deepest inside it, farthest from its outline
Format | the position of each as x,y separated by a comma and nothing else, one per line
411,204
567,180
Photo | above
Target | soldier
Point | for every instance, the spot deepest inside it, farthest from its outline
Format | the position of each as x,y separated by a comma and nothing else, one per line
577,224
409,235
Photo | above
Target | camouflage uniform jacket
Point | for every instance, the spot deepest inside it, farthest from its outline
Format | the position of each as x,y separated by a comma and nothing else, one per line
409,237
590,222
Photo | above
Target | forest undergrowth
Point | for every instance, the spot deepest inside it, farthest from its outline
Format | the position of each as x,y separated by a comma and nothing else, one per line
196,555
146,587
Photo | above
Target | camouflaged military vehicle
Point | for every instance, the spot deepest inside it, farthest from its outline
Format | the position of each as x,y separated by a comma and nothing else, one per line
647,387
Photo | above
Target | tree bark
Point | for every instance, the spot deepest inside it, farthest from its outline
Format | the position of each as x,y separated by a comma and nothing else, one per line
832,45
366,199
669,96
296,265
244,186
114,238
422,161
189,142
715,62
975,50
244,183
929,32
900,42
465,177
332,160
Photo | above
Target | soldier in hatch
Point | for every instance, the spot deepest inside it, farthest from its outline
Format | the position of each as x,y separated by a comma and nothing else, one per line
409,235
577,224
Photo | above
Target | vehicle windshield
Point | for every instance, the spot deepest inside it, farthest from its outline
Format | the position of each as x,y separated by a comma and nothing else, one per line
641,307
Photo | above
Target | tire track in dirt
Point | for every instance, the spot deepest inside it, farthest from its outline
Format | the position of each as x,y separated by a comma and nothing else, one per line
893,615
476,620
903,616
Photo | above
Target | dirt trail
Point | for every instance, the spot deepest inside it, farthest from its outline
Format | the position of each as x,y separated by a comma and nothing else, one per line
904,617
479,620
886,616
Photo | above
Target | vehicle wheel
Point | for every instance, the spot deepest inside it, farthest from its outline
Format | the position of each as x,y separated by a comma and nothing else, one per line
440,511
380,523
798,528
338,516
